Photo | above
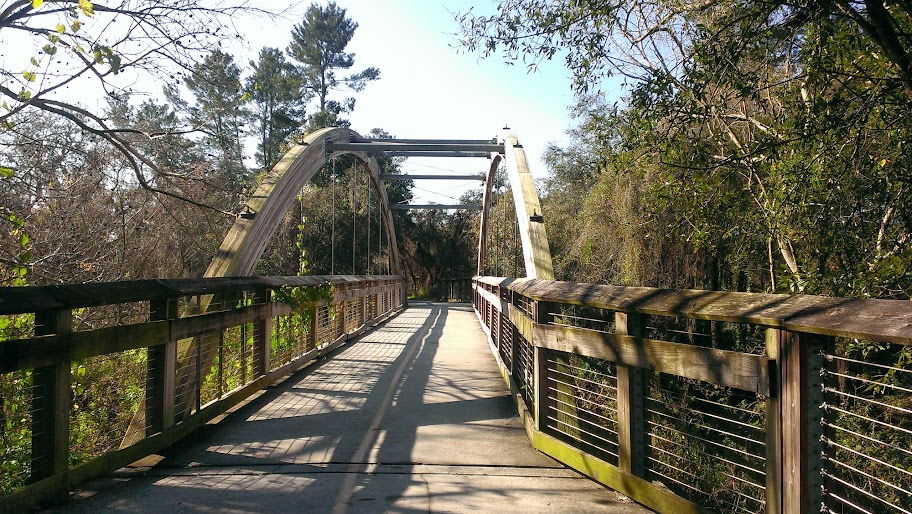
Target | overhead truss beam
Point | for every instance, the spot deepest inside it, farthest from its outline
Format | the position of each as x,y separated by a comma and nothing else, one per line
416,176
493,140
425,148
435,206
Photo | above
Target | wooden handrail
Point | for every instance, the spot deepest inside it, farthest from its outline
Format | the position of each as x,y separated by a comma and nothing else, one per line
523,317
19,300
50,353
879,320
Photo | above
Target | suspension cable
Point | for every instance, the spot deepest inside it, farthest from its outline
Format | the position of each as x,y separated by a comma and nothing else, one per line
368,261
354,184
333,236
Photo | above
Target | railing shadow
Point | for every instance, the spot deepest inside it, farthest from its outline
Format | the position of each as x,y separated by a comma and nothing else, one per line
375,426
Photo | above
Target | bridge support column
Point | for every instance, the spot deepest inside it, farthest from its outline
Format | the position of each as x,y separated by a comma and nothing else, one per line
51,403
262,336
794,428
632,445
161,364
542,315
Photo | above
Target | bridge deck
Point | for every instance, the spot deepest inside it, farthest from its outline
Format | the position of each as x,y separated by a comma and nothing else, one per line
413,417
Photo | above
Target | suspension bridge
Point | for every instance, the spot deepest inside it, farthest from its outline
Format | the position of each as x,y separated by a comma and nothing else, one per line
336,394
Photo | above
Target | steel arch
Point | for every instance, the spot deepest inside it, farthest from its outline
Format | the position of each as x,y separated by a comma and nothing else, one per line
534,237
247,239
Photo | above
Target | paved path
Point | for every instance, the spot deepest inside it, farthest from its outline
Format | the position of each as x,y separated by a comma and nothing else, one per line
414,417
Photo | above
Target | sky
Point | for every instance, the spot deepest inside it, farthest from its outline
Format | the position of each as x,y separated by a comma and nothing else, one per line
429,88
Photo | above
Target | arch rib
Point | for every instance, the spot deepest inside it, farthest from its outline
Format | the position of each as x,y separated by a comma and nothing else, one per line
247,239
532,233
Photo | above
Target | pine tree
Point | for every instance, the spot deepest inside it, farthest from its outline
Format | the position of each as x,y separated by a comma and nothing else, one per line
318,44
278,106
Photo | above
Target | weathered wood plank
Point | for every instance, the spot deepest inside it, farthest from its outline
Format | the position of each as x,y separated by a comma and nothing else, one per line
17,300
38,351
800,396
534,237
880,320
160,372
204,323
732,369
631,392
51,403
523,323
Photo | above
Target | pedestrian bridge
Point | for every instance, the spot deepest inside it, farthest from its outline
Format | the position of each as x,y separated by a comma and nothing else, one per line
412,416
332,393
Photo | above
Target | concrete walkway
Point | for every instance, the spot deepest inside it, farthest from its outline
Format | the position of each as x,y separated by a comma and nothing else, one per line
413,417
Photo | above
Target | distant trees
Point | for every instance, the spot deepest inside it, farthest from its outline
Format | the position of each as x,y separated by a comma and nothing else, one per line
318,45
66,41
184,150
219,113
278,104
761,146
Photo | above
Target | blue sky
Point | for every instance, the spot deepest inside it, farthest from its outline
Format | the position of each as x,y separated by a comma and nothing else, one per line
430,89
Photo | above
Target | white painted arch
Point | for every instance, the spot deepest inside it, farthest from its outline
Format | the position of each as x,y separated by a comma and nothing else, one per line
247,239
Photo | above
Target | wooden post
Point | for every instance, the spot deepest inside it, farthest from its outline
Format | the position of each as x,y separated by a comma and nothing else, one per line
799,395
632,447
51,403
514,347
312,340
343,307
541,314
366,290
262,336
161,364
773,428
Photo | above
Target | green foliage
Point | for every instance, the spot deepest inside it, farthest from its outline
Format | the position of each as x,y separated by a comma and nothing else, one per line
304,299
278,105
318,43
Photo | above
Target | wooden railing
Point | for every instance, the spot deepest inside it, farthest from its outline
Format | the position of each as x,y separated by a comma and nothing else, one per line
454,289
96,376
696,401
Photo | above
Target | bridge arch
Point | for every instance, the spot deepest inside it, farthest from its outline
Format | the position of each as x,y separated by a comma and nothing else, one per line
532,233
247,239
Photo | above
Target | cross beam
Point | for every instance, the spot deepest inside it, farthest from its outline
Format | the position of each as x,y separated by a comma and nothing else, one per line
418,147
416,176
434,206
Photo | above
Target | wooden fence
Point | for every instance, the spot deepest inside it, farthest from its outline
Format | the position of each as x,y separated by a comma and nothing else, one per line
96,376
698,401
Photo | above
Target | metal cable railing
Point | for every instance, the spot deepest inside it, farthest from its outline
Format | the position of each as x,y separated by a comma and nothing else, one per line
690,401
106,366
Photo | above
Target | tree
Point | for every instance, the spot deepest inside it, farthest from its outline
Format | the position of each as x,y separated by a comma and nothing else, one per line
219,113
278,106
754,129
65,43
318,43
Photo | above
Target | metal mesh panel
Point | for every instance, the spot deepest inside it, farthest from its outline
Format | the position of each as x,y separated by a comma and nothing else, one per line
524,370
868,428
186,400
90,318
325,332
506,342
707,443
582,403
236,357
739,337
106,392
210,350
16,403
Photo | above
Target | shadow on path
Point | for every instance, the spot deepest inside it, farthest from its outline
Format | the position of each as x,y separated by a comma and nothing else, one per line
411,417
